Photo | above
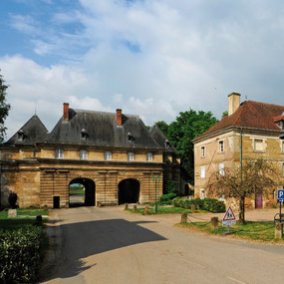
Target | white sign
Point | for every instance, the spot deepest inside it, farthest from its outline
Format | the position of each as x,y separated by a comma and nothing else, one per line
229,218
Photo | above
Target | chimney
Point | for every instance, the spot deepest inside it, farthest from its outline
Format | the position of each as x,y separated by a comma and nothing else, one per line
118,117
66,111
234,102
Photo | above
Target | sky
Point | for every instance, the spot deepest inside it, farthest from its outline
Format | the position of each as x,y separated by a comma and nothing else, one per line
152,58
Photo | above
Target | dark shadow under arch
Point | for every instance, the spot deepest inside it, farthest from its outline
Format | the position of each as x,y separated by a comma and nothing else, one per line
84,195
128,191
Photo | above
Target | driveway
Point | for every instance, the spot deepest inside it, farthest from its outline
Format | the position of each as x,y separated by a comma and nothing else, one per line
109,245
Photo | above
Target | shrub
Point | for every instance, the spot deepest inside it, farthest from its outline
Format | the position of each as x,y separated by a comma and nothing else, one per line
167,198
20,254
208,204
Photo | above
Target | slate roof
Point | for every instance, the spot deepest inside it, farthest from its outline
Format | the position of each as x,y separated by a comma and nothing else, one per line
250,115
101,129
33,131
161,139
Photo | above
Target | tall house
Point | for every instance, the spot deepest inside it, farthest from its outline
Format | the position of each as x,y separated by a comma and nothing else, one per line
250,130
113,156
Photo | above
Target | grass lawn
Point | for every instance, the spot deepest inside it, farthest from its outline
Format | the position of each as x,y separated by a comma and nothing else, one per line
161,210
24,213
261,231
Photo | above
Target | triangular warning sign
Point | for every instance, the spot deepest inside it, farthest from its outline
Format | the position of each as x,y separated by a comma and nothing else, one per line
229,215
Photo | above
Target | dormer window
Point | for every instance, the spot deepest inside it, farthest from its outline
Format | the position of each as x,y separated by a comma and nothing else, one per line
21,135
130,137
84,134
167,143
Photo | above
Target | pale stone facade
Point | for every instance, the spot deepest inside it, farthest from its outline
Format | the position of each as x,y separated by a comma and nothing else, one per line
235,137
40,172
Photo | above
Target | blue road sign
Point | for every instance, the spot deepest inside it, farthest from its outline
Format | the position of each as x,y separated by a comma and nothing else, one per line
280,195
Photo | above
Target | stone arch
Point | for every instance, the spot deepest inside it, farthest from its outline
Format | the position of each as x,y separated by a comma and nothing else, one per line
87,196
128,191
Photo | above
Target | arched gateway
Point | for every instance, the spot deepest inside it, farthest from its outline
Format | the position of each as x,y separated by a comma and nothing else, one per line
82,192
128,191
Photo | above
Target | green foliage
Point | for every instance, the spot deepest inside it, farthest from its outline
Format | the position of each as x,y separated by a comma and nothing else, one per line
4,107
171,187
208,204
187,126
167,198
20,254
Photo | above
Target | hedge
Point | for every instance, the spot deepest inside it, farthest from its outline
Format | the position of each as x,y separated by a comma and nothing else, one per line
208,204
20,254
167,198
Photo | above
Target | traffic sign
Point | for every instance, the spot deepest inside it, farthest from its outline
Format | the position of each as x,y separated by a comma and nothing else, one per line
280,195
229,218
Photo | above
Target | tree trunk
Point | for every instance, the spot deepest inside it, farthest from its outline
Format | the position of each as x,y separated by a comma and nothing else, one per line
242,210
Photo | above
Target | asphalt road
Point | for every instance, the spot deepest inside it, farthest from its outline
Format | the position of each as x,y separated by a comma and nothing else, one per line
108,245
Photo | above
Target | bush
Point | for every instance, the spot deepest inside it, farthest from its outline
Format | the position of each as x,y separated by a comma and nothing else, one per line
167,198
208,204
20,254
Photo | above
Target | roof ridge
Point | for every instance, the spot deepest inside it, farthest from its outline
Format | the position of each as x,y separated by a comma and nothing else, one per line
263,103
103,112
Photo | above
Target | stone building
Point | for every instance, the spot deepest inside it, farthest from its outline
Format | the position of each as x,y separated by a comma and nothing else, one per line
113,155
250,130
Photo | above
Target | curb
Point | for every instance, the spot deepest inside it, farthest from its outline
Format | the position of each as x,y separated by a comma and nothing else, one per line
53,254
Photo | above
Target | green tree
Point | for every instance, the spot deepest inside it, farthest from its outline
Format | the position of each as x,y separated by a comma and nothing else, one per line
257,176
4,107
187,126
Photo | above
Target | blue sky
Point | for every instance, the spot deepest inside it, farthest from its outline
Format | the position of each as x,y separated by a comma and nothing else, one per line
153,58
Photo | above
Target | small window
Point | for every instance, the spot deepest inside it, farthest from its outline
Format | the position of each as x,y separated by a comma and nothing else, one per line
282,146
202,172
21,135
258,145
150,156
221,146
131,156
221,169
84,134
83,154
202,193
59,153
108,156
202,151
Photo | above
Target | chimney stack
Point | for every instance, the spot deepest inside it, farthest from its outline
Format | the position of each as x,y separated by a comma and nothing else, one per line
234,102
118,117
66,111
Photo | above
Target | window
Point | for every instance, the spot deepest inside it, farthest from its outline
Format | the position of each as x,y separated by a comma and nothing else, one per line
84,134
221,169
202,151
150,156
283,170
221,146
131,156
282,146
59,153
258,145
202,172
108,156
83,154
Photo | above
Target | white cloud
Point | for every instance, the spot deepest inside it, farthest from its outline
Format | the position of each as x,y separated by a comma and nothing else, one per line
151,58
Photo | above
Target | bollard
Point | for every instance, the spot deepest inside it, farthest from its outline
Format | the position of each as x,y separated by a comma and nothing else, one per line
278,230
126,206
135,207
215,222
183,218
192,208
146,210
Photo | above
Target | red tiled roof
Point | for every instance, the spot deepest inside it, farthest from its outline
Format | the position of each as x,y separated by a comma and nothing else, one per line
250,114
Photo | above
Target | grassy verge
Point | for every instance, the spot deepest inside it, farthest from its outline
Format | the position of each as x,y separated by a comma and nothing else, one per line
161,210
261,231
21,213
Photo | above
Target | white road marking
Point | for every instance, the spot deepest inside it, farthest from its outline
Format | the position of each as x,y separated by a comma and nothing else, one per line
236,280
